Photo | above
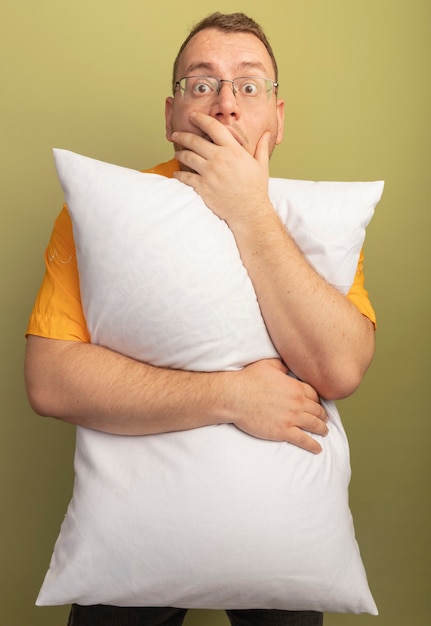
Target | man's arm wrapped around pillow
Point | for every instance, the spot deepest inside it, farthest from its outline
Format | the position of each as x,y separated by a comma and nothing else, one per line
319,335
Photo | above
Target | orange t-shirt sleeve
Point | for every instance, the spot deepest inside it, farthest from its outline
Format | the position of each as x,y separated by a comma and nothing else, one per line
57,312
359,295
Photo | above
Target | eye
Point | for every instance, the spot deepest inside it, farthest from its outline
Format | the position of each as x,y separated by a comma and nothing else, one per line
249,88
201,88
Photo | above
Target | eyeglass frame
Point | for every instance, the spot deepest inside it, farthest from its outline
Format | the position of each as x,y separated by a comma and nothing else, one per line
274,84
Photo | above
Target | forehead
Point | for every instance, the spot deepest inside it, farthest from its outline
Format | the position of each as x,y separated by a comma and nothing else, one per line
223,53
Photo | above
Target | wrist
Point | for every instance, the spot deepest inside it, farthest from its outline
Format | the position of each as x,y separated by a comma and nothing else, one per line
223,396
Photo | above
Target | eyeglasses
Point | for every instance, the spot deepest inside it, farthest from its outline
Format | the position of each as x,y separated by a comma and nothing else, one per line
207,88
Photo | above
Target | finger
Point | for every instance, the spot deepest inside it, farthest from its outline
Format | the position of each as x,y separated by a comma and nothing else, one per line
310,392
262,150
316,410
211,127
193,143
313,424
191,160
299,438
187,177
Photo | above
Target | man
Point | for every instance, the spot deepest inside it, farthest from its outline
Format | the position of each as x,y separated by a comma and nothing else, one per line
224,128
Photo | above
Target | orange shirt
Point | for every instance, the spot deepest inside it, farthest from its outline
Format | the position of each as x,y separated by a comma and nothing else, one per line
57,312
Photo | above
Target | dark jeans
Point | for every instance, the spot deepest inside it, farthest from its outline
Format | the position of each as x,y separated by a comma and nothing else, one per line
101,615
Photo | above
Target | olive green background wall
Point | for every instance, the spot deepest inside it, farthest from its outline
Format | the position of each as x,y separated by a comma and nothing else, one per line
91,76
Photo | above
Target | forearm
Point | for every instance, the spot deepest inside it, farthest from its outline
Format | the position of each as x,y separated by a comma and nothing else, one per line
99,389
319,333
90,386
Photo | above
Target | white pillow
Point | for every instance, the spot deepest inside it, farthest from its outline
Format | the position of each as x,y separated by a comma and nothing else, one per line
212,517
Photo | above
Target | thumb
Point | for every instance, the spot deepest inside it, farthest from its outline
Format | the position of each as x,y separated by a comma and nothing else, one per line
262,150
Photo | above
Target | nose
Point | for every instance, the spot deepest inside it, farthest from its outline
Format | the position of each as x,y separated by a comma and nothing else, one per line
225,104
229,82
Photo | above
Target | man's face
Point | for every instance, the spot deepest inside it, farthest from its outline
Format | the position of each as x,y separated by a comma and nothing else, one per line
212,52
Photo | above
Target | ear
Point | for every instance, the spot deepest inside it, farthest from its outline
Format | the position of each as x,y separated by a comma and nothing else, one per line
169,103
280,118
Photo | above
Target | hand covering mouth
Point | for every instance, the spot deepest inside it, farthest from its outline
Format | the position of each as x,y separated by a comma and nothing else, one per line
234,135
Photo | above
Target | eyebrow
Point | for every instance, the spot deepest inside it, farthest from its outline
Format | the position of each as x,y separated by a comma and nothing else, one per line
203,66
